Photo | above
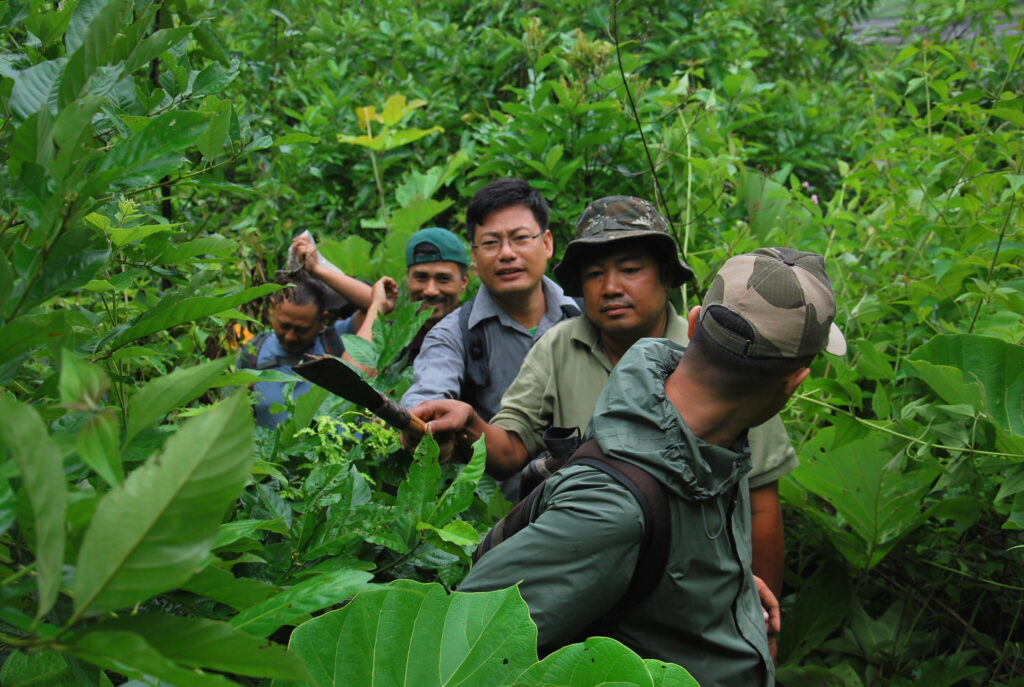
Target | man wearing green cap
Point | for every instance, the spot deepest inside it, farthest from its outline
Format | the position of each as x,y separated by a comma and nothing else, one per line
436,275
624,263
682,417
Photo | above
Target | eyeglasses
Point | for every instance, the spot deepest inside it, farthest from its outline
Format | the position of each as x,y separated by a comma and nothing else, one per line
518,242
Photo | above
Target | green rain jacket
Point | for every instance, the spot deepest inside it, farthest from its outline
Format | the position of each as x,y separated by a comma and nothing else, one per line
577,556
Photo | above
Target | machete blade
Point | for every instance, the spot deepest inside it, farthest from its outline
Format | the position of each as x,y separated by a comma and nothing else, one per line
341,380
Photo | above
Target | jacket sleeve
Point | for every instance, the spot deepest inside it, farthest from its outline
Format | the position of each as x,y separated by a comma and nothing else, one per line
439,367
576,558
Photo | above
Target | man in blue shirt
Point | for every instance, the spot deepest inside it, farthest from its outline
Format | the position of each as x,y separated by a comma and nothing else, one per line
474,353
299,327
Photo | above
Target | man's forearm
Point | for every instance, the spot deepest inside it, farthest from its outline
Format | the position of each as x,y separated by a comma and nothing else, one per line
766,535
351,288
506,454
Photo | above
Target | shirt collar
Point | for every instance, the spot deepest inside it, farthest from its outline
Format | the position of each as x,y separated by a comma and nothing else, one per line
485,307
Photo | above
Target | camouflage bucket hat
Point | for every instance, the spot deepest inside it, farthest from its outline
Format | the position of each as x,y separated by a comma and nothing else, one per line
786,298
619,218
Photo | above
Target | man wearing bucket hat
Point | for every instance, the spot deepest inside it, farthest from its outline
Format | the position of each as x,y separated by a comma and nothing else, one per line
623,262
681,416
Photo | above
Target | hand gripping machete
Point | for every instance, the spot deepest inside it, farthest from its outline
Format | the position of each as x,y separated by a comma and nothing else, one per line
341,380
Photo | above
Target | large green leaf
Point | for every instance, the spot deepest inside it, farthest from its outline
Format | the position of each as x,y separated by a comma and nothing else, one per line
222,586
130,654
41,669
152,46
349,254
81,18
596,661
33,87
151,533
820,608
95,46
459,494
208,644
294,604
418,489
880,505
27,443
174,310
99,446
306,406
81,383
163,394
669,674
65,272
25,333
419,634
967,368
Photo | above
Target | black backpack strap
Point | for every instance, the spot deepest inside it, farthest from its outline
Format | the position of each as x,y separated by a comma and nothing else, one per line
476,372
654,547
331,342
249,358
572,310
515,520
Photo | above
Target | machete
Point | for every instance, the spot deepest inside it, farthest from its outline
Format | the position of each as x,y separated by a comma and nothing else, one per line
341,380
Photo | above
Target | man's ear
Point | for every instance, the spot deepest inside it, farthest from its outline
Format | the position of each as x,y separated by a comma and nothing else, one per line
692,320
795,379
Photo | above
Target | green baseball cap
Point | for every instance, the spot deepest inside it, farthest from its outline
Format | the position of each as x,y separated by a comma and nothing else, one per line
785,297
619,218
435,245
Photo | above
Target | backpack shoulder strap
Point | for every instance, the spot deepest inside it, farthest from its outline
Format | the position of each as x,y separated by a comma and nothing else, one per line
654,547
330,340
476,372
515,520
249,358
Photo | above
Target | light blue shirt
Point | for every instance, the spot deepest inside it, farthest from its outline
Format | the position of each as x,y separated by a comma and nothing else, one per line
439,369
272,356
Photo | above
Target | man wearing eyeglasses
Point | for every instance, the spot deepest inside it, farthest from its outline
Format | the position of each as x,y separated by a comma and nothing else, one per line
474,353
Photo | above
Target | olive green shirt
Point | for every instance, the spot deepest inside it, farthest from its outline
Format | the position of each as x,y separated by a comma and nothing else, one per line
563,374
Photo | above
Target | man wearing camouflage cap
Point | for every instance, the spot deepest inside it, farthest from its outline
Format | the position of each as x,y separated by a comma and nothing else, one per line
681,416
623,262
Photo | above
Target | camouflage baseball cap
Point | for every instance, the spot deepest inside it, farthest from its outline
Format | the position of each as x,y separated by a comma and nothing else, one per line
786,298
619,218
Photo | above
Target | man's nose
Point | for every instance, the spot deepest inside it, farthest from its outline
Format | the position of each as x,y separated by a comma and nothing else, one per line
505,251
611,285
431,288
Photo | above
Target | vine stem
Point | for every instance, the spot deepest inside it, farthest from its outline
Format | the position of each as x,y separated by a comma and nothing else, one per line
660,197
995,255
881,428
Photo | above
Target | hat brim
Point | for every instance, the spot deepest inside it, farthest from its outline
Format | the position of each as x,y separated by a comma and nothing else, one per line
567,272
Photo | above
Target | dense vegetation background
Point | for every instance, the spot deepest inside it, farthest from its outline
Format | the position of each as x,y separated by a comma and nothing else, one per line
159,156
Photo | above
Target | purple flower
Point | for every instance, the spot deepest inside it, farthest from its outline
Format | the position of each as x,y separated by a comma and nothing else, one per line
814,198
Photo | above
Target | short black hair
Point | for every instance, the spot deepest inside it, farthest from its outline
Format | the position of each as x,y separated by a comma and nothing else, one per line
737,375
501,194
300,289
